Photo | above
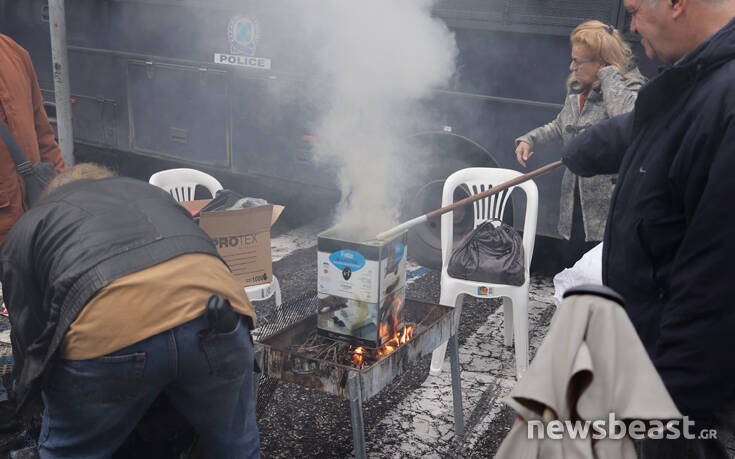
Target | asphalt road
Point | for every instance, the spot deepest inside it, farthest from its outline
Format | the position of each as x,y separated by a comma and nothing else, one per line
413,416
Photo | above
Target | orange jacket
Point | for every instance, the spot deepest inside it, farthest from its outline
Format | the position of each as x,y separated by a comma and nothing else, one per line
21,109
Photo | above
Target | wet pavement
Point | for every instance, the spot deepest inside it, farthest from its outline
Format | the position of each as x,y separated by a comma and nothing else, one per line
413,416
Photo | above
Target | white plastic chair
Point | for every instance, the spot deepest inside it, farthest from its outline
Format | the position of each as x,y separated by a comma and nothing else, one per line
182,183
515,298
262,292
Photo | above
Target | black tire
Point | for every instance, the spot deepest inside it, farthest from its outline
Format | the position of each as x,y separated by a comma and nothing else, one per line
452,153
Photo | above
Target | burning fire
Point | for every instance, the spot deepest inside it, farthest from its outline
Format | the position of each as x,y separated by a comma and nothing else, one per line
401,337
357,356
407,334
395,336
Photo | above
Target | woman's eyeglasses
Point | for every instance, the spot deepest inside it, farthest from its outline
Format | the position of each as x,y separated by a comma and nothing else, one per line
577,63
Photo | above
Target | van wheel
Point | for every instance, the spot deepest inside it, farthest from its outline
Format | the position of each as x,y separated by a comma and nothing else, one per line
424,241
449,153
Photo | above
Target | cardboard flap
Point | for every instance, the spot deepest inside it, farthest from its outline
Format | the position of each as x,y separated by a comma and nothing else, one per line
251,219
194,206
277,210
198,204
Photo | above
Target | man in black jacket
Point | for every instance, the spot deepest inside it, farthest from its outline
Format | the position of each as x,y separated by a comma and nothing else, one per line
670,237
106,280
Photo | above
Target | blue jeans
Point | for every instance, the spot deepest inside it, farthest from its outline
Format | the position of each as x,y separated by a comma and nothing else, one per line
93,405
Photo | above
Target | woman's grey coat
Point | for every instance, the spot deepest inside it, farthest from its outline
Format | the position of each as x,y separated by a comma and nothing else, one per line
614,96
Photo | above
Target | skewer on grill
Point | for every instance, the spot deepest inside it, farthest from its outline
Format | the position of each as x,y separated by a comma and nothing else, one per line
396,230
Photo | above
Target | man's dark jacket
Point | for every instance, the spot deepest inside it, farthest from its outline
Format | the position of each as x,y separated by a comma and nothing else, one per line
71,244
669,246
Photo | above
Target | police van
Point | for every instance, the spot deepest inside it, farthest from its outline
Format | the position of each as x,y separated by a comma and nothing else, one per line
165,83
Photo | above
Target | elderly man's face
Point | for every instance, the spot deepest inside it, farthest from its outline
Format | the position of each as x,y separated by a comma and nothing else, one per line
653,23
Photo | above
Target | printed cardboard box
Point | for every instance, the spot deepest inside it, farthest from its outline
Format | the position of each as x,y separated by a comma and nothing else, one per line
242,238
361,288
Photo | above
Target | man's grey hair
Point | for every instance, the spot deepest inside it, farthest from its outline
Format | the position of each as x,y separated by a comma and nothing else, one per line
81,171
655,2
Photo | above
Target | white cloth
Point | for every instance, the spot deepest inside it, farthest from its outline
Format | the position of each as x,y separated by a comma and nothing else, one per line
587,270
590,364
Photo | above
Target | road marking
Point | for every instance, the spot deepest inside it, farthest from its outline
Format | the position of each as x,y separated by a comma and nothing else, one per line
415,271
299,238
422,425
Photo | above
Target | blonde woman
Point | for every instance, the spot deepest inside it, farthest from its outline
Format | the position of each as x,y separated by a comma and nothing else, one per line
604,83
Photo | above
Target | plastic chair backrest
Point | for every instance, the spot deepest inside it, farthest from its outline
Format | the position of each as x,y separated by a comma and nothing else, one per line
477,180
182,183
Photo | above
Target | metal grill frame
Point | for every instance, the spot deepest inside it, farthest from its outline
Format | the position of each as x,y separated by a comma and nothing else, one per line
355,384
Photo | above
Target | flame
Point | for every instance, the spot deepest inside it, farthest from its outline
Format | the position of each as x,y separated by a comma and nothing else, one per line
407,334
357,356
387,330
387,348
400,337
398,303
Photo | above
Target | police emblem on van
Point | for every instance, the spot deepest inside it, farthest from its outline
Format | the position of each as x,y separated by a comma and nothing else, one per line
243,33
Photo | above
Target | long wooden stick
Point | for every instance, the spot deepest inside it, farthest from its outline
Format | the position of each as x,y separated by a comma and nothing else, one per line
396,230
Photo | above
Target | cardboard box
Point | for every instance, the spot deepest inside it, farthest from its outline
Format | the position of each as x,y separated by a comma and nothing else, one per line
195,206
361,288
242,238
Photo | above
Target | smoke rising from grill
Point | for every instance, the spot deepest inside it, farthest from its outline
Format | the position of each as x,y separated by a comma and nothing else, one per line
372,62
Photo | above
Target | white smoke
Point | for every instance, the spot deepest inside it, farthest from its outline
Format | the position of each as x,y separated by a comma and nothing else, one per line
373,62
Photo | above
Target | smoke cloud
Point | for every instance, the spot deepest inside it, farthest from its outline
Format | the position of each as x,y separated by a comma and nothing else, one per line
371,63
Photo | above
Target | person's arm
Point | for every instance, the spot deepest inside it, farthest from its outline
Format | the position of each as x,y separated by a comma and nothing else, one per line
550,133
618,93
694,352
47,146
599,149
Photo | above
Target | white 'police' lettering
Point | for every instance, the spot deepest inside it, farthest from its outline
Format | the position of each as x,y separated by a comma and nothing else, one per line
243,61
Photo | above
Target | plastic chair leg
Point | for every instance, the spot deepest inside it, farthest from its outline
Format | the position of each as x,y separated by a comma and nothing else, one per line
437,357
520,330
277,288
508,320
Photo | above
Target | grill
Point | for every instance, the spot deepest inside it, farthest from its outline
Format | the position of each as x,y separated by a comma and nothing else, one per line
280,354
6,352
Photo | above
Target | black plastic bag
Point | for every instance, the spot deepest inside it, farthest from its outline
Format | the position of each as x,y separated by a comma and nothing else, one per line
227,200
489,254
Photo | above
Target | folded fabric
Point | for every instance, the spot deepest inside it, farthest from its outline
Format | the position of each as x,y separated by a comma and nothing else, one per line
591,365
